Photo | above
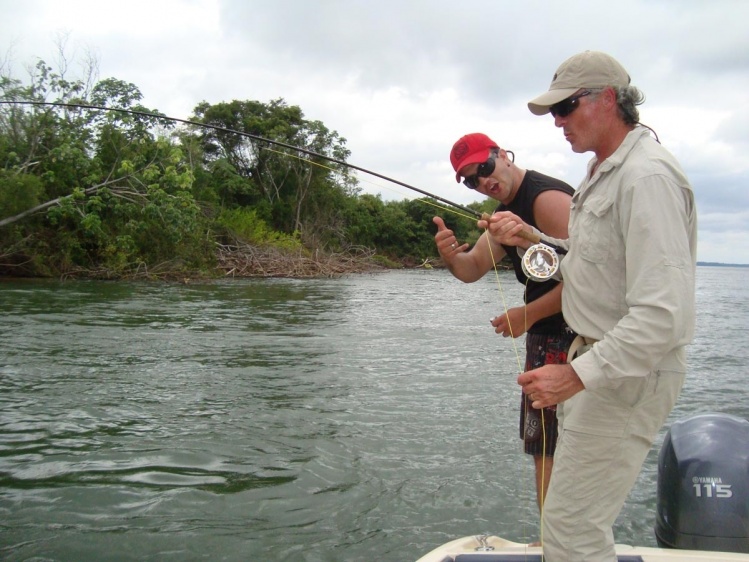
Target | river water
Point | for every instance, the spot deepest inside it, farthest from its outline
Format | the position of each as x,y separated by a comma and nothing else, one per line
371,417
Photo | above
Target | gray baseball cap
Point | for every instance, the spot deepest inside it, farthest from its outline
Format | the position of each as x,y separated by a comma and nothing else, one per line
590,69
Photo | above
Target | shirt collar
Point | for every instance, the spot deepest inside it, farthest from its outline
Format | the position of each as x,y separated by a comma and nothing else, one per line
617,158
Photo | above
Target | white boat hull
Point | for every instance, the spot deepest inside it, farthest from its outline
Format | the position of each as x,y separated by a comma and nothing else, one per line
508,551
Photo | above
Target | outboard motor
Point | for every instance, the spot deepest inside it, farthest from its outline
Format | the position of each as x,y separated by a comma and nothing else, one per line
703,485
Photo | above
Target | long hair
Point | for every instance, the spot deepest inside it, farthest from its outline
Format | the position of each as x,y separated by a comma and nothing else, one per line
627,99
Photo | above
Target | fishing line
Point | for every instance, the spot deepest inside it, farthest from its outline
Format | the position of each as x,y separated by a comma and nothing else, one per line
502,302
425,201
243,134
504,306
527,403
524,398
470,213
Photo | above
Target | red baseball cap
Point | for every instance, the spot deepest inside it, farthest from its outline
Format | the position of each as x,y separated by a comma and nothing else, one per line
471,149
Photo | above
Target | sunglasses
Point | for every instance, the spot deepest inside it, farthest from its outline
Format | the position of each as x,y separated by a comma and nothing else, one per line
483,171
565,107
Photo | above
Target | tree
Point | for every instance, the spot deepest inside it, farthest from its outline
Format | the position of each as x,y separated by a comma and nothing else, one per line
287,180
123,191
115,195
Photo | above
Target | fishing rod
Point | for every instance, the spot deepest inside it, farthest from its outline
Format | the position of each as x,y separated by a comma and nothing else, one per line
249,135
541,260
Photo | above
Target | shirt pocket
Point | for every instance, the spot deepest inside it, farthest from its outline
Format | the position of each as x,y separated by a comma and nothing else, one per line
595,230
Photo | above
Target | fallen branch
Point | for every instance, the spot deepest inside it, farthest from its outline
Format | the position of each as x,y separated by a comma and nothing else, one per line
244,260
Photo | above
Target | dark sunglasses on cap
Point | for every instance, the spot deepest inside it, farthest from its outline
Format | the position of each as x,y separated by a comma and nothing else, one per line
565,107
485,170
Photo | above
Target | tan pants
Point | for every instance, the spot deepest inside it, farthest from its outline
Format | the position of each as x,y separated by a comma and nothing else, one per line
604,438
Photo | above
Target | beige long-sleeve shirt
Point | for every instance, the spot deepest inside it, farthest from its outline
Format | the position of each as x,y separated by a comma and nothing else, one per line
629,274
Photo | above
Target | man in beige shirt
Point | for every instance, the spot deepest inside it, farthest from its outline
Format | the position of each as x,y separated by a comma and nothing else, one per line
628,291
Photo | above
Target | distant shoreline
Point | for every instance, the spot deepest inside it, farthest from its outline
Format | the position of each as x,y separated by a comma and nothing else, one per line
715,264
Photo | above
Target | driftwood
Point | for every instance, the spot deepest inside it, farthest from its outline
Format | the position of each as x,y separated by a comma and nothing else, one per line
243,260
238,260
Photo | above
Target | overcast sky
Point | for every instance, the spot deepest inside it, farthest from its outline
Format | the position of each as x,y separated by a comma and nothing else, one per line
403,80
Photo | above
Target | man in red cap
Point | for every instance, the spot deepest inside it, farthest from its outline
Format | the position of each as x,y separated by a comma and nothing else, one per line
629,293
542,201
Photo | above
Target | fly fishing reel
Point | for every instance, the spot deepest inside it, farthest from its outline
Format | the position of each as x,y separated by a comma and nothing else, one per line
540,262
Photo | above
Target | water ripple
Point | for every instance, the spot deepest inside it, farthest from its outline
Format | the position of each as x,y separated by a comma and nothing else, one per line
333,420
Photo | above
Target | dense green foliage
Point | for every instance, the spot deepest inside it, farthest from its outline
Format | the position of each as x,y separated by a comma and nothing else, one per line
109,194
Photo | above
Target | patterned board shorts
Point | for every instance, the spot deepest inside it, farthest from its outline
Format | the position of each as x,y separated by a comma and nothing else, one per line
540,438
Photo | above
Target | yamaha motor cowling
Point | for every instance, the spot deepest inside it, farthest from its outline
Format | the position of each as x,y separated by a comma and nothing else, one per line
703,485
